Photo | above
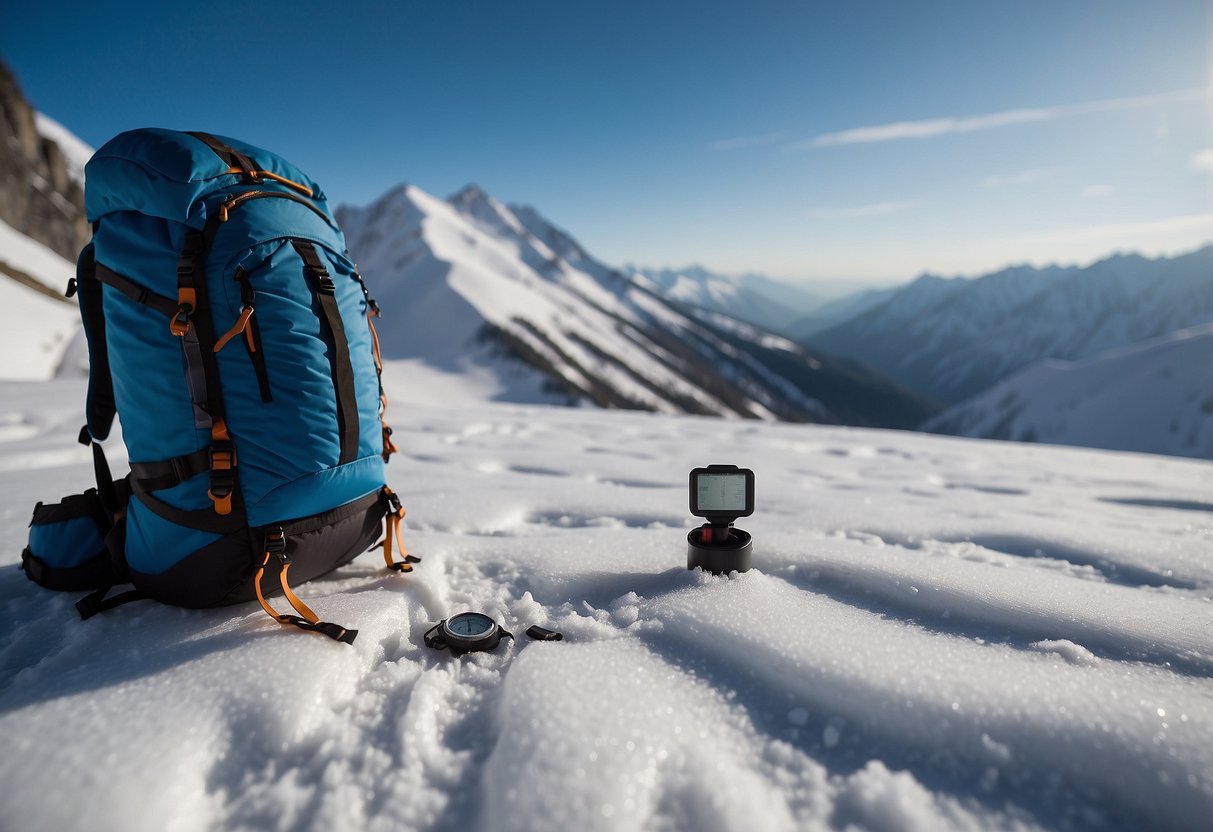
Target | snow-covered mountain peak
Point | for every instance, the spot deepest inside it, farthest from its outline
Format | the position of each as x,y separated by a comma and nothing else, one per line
561,242
474,287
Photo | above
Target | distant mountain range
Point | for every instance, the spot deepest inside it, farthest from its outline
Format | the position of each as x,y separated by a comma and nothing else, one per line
471,285
1153,397
754,298
1116,354
951,339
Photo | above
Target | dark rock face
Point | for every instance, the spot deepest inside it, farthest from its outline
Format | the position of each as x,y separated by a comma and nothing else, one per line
38,195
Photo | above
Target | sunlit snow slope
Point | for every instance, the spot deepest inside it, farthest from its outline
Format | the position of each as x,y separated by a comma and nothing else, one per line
37,324
470,286
1153,397
937,634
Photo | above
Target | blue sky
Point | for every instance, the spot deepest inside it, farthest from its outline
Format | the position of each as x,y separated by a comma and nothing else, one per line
857,140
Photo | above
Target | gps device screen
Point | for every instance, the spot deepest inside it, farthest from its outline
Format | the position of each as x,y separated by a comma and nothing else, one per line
722,492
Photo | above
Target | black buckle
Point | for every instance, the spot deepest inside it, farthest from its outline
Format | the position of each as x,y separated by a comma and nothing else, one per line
223,468
275,544
71,288
393,500
180,325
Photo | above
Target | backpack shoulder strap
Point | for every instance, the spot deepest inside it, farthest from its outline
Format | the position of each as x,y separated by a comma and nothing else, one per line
99,408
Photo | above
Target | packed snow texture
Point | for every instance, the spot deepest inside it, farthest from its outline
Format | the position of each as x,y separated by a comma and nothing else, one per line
937,633
1152,397
35,330
75,151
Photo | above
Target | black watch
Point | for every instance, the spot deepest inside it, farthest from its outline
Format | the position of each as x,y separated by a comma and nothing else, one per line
466,632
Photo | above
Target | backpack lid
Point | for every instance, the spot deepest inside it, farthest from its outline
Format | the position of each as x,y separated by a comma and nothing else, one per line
165,173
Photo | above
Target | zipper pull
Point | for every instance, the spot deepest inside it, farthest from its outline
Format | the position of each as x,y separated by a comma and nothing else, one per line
241,325
225,207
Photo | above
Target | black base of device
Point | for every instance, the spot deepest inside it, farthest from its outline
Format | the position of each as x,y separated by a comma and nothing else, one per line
732,555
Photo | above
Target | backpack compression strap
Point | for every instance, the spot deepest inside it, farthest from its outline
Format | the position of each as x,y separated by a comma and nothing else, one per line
99,406
394,516
238,163
343,369
275,543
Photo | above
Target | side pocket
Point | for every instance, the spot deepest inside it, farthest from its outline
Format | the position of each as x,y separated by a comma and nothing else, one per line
67,549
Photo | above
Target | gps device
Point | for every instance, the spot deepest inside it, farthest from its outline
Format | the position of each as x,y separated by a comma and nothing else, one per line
720,494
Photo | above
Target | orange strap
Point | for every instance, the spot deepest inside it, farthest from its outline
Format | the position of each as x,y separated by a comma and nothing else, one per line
393,535
389,447
240,326
303,189
187,300
223,468
306,620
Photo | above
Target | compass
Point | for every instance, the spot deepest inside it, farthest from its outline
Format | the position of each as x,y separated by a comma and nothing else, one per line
466,632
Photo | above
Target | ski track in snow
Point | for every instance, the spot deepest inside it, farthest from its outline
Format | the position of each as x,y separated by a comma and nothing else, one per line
937,633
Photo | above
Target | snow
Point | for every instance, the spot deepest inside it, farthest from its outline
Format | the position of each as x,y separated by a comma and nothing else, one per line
35,329
937,633
1153,397
75,151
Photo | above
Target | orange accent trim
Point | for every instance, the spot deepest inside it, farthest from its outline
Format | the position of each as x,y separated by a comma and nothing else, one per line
223,505
222,461
306,616
300,607
240,326
393,532
283,577
261,598
375,345
303,189
389,447
187,301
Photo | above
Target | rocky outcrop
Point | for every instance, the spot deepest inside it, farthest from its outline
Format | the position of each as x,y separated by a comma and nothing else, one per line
38,195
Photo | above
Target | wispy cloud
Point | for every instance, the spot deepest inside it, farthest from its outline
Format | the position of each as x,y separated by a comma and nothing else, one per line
931,127
1097,191
1023,177
1203,160
749,141
876,209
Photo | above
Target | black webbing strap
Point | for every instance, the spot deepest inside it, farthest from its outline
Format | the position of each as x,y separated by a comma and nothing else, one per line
94,572
139,294
96,602
233,157
99,407
343,369
156,476
190,322
334,631
203,519
106,492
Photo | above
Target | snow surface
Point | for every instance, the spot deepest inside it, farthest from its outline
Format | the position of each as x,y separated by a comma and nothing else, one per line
937,633
1151,397
76,152
35,330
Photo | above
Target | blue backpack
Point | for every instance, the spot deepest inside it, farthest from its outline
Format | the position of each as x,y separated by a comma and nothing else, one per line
232,334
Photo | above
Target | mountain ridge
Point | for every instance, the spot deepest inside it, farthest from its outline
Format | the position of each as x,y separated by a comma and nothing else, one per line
482,284
952,338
